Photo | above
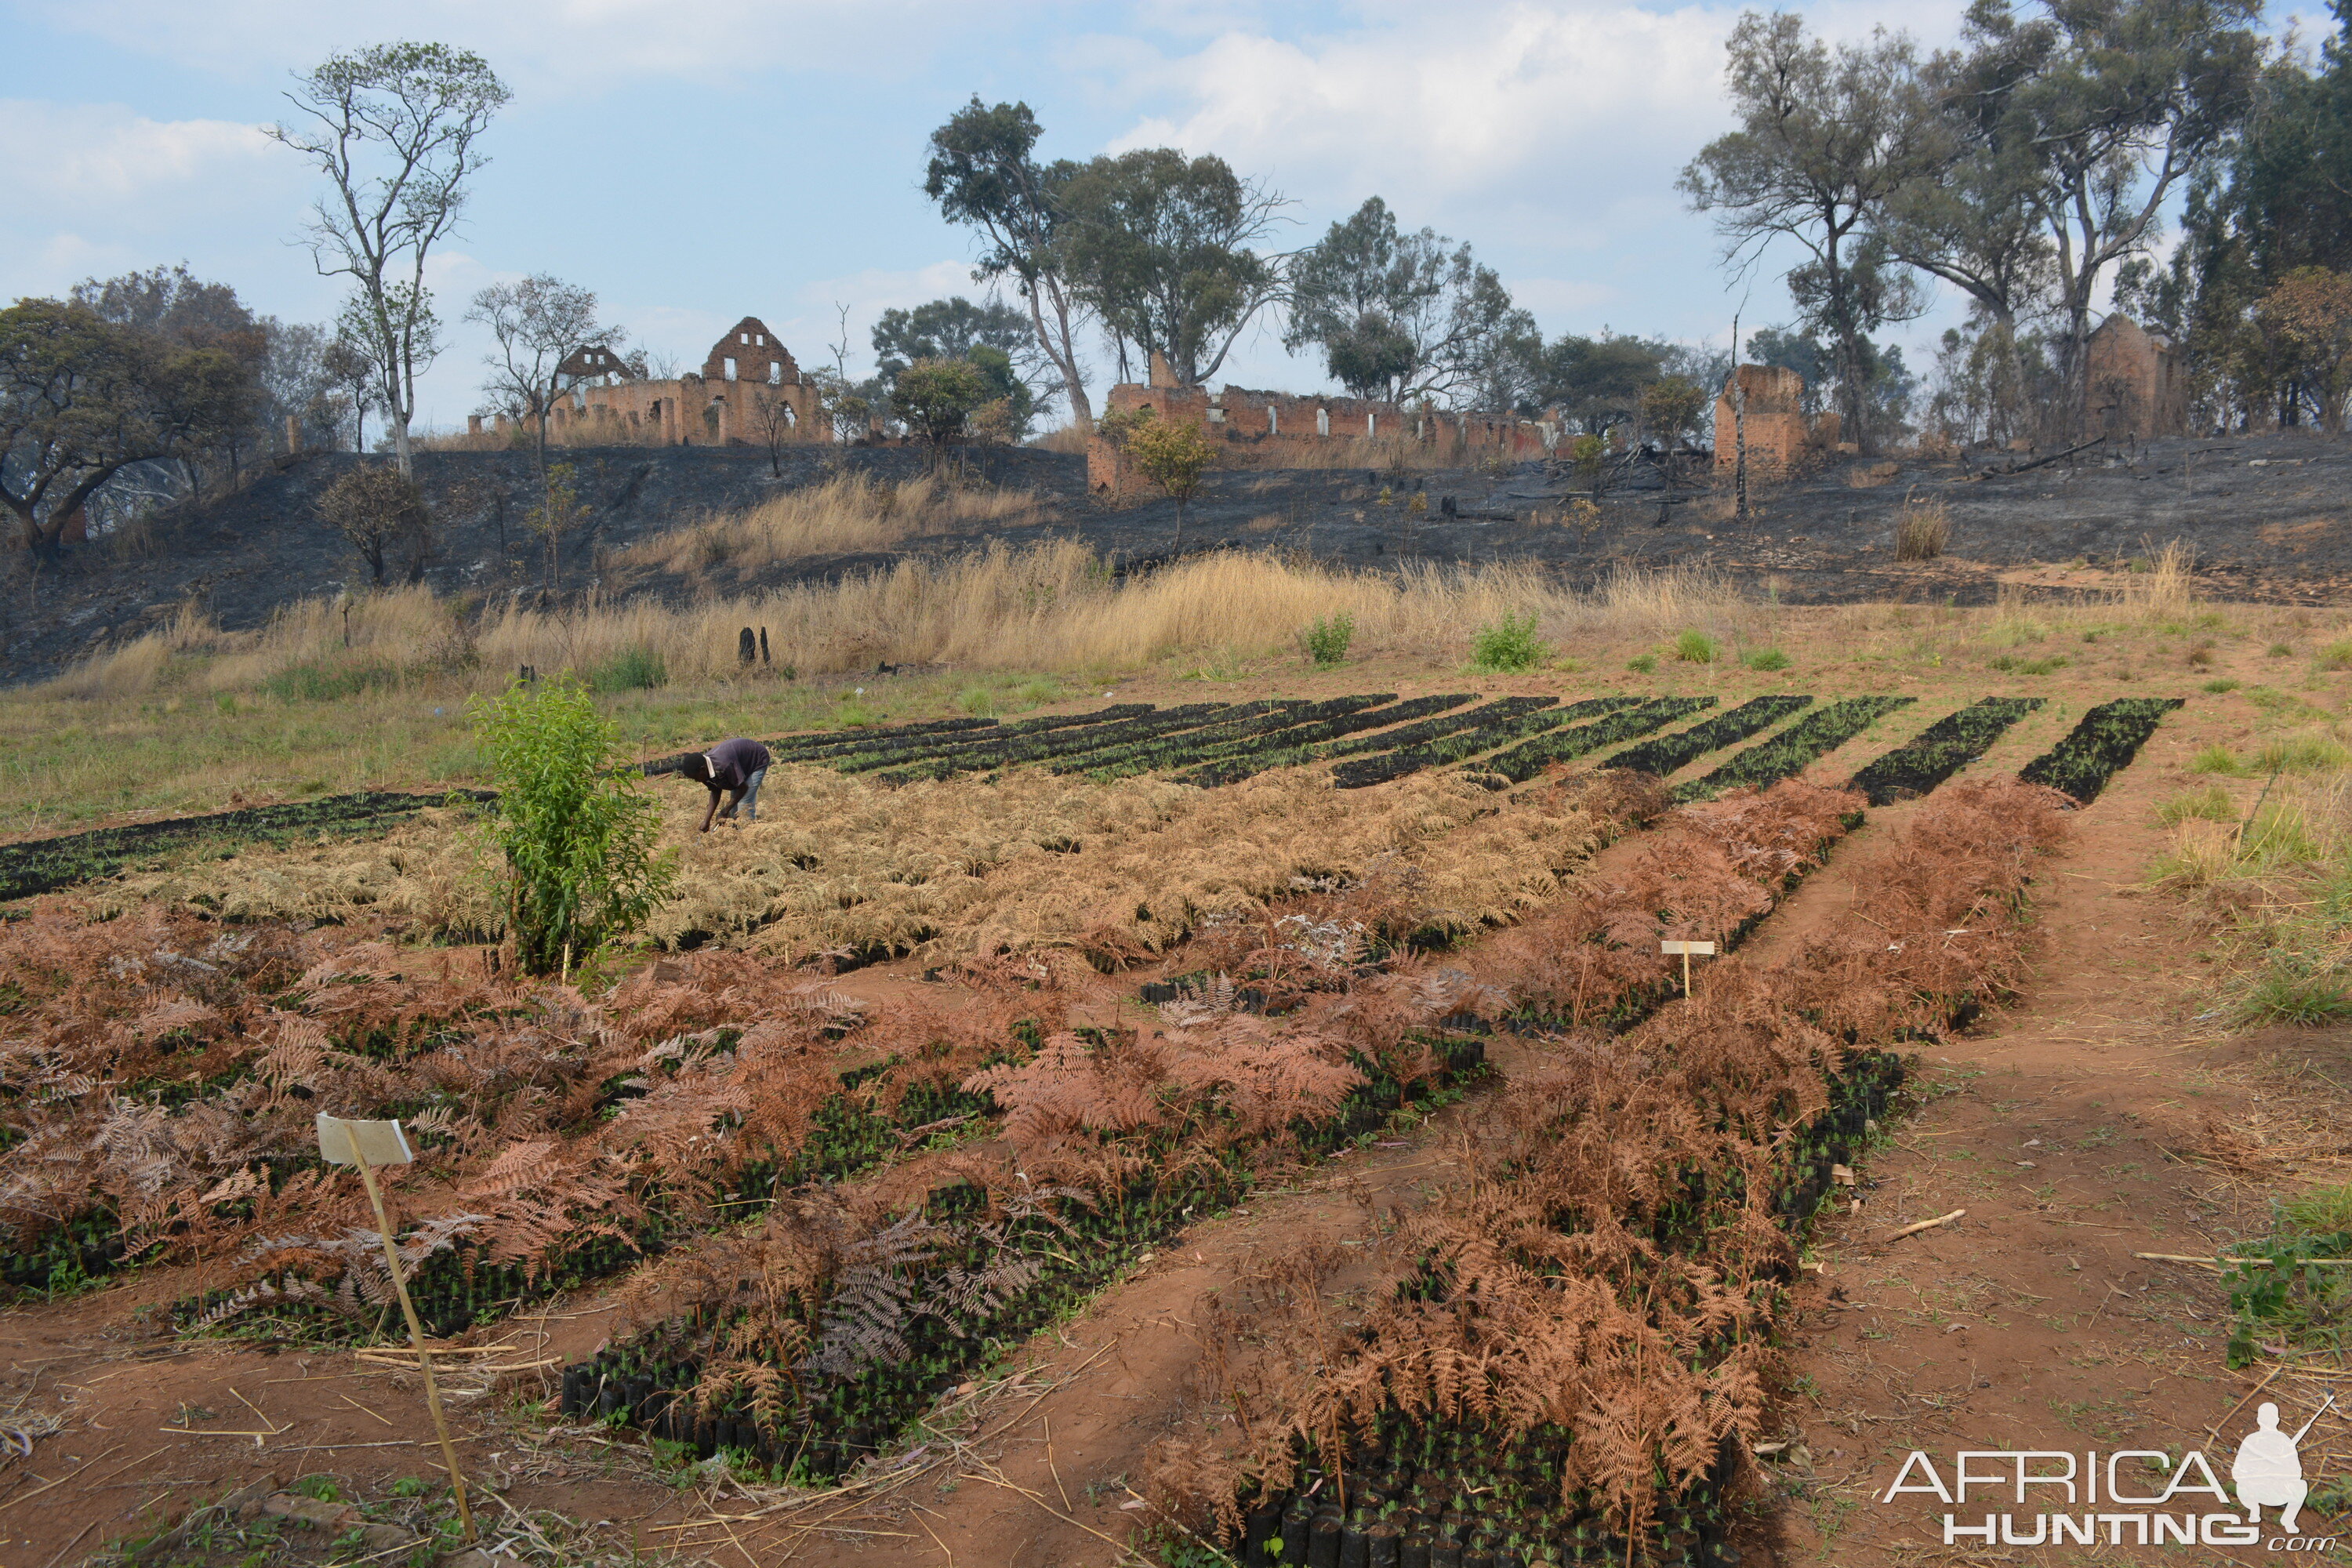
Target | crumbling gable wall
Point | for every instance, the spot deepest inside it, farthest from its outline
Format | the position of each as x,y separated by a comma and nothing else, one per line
747,374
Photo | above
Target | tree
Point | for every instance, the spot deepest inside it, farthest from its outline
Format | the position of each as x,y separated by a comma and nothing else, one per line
210,352
982,174
559,514
935,397
347,364
1673,407
949,329
1174,454
2119,101
535,323
1597,381
1159,245
2309,316
1398,315
298,383
83,399
376,509
395,128
1825,138
573,840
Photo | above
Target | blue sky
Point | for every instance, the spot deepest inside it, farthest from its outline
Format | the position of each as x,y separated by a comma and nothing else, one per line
693,162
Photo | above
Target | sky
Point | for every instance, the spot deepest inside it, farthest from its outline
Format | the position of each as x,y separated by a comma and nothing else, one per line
694,163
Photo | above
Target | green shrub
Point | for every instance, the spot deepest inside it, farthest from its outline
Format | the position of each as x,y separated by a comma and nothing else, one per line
575,839
2221,685
2281,650
1510,644
1697,647
978,701
2296,988
2213,802
2337,655
2217,759
1326,641
1767,658
2009,663
331,680
1642,664
631,669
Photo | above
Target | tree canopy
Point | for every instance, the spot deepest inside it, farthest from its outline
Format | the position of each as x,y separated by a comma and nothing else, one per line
1399,315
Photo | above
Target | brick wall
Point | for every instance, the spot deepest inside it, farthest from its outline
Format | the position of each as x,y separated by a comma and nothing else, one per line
1261,426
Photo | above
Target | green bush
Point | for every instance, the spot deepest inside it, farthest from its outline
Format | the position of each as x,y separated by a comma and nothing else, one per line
1510,644
631,669
2009,664
2282,650
2337,655
575,840
2221,685
1767,658
1642,664
1697,647
2217,759
1326,641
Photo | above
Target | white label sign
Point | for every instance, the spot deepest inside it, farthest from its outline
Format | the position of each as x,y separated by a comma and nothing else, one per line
1700,949
343,1143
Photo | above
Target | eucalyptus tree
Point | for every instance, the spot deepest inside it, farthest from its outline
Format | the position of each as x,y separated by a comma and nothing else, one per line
1826,136
395,129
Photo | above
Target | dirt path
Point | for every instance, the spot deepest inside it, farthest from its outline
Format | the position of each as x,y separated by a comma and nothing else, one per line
2100,1119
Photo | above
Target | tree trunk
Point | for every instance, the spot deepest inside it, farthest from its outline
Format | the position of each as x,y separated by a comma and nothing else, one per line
403,456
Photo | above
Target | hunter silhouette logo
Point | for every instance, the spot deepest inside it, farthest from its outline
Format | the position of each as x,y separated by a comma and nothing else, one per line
2268,1471
2159,1501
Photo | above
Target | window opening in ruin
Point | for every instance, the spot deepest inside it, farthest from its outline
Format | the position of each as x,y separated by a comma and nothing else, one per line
1371,423
730,365
742,337
1274,421
1322,422
775,374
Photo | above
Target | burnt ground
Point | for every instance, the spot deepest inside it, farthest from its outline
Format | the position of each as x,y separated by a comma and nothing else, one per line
2269,517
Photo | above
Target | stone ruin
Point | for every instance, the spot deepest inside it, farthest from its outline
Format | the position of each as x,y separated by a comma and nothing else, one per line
1782,438
1272,424
748,394
2136,386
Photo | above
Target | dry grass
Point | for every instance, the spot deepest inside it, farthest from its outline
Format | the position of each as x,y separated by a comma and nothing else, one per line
1923,529
1052,606
843,865
844,514
1070,440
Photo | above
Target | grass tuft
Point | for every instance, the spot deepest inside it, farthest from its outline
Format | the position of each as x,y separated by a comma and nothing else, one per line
1697,647
1767,658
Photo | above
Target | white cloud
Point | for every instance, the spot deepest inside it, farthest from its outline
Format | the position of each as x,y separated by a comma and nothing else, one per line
559,45
1555,111
87,188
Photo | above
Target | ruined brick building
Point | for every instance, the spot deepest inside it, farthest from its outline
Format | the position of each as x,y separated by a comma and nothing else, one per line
1271,430
750,392
2135,386
1782,438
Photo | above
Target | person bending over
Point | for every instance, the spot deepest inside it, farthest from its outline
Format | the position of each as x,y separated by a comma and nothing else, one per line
732,768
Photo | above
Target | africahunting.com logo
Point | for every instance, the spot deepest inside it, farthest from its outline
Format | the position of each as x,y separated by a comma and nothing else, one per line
2091,1499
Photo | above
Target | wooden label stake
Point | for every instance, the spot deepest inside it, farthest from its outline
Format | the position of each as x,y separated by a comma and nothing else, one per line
1704,949
368,1145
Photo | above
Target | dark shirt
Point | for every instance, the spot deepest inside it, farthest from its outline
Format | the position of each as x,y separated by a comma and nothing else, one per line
732,763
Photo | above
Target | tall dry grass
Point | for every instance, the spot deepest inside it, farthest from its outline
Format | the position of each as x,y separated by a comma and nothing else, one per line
848,512
1053,605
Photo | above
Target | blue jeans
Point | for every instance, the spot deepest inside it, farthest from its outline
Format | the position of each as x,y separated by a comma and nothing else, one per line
747,798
